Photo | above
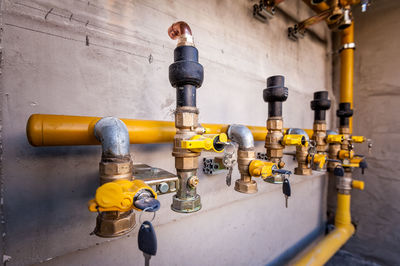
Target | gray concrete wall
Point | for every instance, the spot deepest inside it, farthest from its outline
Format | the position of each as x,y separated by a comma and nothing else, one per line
47,67
376,115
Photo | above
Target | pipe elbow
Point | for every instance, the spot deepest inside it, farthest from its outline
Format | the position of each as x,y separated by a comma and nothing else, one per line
242,136
180,30
113,136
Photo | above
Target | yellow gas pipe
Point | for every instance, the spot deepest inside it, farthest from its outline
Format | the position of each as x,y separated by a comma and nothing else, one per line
327,247
347,70
62,130
344,229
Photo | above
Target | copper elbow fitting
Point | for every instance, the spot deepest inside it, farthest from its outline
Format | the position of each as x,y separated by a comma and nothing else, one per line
180,30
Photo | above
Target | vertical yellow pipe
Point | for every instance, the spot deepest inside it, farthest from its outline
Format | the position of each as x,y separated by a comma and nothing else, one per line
328,246
347,70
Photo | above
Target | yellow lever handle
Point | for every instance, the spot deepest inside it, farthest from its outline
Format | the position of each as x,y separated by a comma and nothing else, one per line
118,195
345,154
334,139
358,184
357,139
319,159
205,142
292,139
259,168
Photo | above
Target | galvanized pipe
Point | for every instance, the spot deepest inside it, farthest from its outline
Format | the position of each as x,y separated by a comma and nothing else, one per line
113,136
242,136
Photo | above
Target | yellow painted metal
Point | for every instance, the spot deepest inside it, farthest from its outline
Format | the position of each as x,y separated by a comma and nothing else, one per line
328,246
63,130
334,139
319,159
118,195
356,160
317,8
204,142
349,2
357,139
347,70
293,139
358,184
346,154
259,168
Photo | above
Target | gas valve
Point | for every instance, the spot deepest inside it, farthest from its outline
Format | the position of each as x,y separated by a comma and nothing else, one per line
262,169
317,159
213,142
124,195
292,139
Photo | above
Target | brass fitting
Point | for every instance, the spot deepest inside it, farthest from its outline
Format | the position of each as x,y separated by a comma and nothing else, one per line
302,163
114,223
186,199
245,184
333,153
110,171
193,181
273,140
319,136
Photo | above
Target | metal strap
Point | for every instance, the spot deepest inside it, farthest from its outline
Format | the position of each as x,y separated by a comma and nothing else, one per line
350,45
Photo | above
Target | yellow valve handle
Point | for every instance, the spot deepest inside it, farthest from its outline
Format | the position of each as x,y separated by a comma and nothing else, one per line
334,139
356,160
344,154
118,195
259,168
319,159
205,142
292,139
357,139
358,184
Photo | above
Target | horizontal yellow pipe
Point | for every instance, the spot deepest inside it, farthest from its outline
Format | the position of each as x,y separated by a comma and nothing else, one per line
62,130
328,246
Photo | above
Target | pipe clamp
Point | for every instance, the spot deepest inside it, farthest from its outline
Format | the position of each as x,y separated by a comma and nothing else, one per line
350,45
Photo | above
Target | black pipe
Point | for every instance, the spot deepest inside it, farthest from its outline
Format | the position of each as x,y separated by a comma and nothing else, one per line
344,113
320,104
186,96
186,75
275,94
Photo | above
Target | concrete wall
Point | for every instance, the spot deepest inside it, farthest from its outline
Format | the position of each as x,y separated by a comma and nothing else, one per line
376,115
111,58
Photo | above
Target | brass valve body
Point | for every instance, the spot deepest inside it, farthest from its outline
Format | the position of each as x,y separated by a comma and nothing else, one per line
186,199
110,171
333,153
319,136
345,131
114,223
302,164
245,184
273,140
